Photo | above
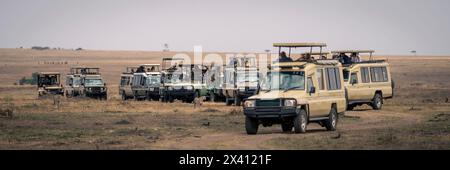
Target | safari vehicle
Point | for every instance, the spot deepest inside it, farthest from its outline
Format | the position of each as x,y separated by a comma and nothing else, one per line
49,83
125,83
73,82
296,93
214,81
366,82
146,82
92,84
183,82
241,79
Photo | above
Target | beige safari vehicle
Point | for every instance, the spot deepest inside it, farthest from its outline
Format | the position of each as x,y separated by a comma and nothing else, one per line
296,93
126,79
49,83
366,82
241,79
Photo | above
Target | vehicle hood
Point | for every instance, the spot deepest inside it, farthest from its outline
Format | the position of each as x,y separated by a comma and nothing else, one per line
276,94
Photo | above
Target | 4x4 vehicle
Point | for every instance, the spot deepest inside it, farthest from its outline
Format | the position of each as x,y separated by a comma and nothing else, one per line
366,82
92,84
215,81
73,82
296,93
183,82
126,80
241,79
49,83
146,82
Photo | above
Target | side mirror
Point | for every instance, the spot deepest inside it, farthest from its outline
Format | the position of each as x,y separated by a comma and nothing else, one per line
70,84
104,84
82,84
312,90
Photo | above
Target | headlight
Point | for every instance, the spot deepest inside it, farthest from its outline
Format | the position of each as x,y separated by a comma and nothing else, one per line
290,102
188,87
152,89
249,103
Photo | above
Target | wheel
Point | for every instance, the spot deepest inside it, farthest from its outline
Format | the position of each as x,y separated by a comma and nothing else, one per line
251,125
124,97
331,123
171,99
286,127
237,101
212,97
377,102
228,101
300,122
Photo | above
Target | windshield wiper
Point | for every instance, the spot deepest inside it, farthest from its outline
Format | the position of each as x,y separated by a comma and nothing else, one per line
292,88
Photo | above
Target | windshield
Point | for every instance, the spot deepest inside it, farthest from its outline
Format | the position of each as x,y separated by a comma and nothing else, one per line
76,81
154,80
284,81
93,82
247,77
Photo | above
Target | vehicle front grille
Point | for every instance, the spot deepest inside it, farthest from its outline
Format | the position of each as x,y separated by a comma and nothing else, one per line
96,89
268,103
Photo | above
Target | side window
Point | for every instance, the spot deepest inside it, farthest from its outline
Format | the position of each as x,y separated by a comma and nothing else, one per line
385,74
333,78
338,78
319,75
365,74
309,84
346,75
354,78
378,74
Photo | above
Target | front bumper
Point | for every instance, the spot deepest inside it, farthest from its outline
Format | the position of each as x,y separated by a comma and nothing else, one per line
181,92
270,112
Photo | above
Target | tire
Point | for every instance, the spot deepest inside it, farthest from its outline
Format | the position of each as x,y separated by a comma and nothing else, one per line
251,125
286,127
212,97
124,96
332,121
228,101
300,122
377,102
237,100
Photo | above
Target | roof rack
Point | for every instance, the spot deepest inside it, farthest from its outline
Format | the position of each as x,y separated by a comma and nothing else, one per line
354,51
298,45
365,62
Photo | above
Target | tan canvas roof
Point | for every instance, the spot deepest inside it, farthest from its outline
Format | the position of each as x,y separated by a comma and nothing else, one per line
353,51
299,45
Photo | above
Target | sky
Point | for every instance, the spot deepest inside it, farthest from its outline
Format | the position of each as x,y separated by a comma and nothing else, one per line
388,26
